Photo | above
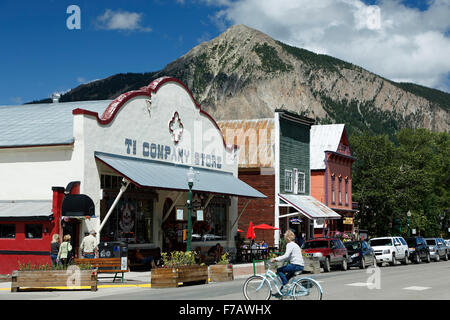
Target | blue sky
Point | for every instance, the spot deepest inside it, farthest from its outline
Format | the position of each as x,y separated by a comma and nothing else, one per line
40,55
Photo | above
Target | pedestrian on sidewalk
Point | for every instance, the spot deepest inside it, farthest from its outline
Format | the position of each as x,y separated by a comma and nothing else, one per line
65,251
54,249
89,247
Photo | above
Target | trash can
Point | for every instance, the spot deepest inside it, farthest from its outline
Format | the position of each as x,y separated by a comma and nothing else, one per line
114,249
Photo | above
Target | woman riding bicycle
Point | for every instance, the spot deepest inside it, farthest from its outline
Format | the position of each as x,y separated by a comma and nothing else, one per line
294,255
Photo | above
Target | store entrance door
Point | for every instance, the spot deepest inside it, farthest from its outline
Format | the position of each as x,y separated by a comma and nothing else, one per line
72,227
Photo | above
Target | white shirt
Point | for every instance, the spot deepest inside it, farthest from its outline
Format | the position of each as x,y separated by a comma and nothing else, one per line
293,254
89,244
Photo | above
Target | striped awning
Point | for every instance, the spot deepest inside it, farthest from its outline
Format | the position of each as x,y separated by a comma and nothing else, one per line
309,206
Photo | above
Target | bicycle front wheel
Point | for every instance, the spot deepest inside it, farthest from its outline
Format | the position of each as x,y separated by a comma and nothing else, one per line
256,288
307,289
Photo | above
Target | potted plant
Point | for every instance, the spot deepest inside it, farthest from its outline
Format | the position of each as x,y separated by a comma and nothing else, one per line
178,268
222,271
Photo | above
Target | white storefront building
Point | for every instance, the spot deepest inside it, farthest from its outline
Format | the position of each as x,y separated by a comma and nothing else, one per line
146,141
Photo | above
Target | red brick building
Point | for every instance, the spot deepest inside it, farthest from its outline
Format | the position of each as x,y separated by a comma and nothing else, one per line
331,176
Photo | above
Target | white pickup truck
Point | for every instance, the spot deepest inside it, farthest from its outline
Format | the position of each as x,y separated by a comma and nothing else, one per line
390,250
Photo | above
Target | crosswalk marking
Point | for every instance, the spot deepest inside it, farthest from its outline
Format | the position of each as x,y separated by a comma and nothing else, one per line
417,288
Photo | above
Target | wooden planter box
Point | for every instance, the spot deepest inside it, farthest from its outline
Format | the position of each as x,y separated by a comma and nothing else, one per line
173,277
221,272
66,279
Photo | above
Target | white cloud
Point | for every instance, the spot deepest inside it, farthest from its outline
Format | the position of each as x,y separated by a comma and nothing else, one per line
121,20
389,39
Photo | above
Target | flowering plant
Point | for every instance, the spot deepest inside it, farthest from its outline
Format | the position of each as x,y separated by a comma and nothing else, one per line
178,259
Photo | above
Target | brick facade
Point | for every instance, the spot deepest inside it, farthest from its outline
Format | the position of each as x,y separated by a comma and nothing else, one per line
258,210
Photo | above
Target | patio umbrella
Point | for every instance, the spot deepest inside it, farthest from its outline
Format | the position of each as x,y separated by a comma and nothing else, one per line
251,232
264,226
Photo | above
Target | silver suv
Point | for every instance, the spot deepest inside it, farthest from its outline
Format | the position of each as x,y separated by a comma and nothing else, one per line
390,250
438,248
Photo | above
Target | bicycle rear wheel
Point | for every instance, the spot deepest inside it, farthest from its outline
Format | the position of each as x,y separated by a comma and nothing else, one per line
256,288
307,289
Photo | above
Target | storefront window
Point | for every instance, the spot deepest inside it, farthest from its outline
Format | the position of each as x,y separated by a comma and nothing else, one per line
214,224
33,231
7,231
131,221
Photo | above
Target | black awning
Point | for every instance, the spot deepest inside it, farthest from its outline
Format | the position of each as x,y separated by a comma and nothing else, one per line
77,205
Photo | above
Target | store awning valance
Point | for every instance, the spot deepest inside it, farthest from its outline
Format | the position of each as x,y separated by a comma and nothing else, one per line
309,206
155,174
77,205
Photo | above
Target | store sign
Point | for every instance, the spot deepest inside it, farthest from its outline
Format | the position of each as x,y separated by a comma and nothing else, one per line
348,221
199,215
180,214
295,220
157,151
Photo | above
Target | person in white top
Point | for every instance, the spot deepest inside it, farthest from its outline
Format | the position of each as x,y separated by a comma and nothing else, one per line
89,247
294,255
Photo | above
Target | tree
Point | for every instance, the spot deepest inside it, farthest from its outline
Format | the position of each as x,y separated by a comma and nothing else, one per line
391,179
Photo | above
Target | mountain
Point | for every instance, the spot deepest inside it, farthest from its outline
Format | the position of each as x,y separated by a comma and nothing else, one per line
244,74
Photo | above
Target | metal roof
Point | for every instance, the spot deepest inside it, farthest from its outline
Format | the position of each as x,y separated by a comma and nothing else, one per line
160,175
25,209
42,124
309,206
324,138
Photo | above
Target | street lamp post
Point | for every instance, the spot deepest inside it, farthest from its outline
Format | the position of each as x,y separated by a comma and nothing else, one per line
409,216
190,177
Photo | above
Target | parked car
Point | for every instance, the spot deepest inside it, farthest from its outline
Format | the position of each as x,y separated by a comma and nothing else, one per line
447,242
418,249
447,248
438,249
390,249
331,251
360,253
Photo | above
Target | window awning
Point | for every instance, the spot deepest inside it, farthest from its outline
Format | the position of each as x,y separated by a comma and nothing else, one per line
309,206
155,174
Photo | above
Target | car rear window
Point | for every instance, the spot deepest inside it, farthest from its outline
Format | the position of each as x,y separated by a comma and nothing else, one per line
411,242
431,242
352,245
318,244
380,242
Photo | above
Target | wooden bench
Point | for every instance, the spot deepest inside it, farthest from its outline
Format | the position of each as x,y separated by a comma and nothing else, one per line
104,265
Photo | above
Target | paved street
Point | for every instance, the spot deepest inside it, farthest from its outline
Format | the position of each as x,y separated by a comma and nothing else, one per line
411,282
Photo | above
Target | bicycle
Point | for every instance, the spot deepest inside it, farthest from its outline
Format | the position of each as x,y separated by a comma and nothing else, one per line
259,287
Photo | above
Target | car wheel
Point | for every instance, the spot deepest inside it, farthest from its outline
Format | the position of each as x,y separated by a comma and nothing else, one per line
326,265
406,260
394,261
417,258
438,257
428,259
446,256
363,263
344,265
